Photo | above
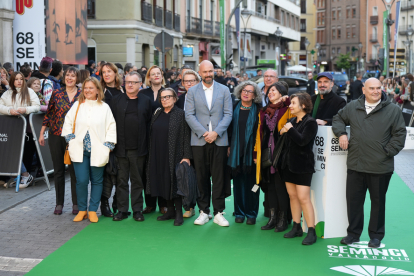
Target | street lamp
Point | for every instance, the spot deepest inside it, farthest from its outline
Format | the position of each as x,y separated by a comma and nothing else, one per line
278,35
410,32
307,43
248,14
317,46
360,53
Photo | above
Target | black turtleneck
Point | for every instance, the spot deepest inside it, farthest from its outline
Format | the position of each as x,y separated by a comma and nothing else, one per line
328,106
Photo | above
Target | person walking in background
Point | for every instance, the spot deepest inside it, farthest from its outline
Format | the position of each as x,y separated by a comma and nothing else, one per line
378,134
356,87
132,112
272,118
90,131
310,88
297,165
208,112
60,102
169,145
242,137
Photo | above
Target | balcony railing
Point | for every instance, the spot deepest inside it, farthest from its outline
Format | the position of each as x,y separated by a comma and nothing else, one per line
194,25
273,19
374,19
208,27
407,5
158,16
168,16
402,30
146,12
373,38
177,22
217,28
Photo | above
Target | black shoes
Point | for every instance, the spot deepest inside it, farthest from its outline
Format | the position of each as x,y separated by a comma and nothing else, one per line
374,243
296,231
251,221
272,220
120,216
138,216
349,240
167,216
114,205
310,237
282,224
239,220
179,220
105,210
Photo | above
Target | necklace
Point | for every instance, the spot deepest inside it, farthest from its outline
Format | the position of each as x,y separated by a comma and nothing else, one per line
245,107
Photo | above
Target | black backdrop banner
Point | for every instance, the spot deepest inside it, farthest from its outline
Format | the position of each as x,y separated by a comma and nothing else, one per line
407,112
12,137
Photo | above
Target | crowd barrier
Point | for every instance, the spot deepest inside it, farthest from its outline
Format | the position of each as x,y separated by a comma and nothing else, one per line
12,138
407,112
409,140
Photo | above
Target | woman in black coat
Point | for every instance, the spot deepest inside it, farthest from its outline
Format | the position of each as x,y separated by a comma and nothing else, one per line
298,165
169,145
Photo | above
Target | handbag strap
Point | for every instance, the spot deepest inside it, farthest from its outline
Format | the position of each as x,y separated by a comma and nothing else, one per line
76,115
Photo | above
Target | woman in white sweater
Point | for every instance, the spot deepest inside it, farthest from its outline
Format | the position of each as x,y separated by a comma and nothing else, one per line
21,100
89,145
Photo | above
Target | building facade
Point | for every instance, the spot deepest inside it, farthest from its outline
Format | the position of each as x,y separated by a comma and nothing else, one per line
6,31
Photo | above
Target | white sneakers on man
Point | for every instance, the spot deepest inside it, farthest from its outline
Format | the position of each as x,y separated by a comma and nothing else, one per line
202,219
220,220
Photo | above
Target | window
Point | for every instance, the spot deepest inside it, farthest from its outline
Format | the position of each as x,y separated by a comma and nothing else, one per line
333,33
353,31
302,6
297,24
347,49
348,12
353,12
348,31
303,25
323,18
333,51
339,13
282,22
375,11
338,33
287,20
338,50
91,9
302,43
333,15
293,23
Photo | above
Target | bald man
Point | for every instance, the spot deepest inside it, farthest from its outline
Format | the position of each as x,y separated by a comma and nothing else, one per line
208,112
377,135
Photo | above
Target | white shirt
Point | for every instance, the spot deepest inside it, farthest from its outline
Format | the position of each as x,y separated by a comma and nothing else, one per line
369,106
208,91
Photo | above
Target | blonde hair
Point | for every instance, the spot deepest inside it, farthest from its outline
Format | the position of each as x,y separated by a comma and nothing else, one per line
5,71
147,77
101,95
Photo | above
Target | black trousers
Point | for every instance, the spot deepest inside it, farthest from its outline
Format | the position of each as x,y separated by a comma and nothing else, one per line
130,167
29,151
210,162
109,181
57,146
357,184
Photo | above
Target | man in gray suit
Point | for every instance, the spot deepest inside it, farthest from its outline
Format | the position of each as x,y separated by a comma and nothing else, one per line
208,112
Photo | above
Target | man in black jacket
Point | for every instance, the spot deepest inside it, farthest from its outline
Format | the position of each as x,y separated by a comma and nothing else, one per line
310,88
326,104
218,76
356,87
377,134
132,113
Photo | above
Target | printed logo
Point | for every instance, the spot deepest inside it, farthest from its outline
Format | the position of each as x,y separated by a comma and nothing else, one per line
370,270
360,250
3,137
21,4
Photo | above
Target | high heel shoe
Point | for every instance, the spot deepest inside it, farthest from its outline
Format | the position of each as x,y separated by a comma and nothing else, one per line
81,216
58,211
93,217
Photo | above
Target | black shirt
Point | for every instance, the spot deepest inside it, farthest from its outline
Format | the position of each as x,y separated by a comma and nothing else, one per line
328,106
150,94
243,116
310,88
356,89
111,92
131,124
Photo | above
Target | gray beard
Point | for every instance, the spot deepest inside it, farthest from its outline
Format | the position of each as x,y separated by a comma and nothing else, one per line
327,91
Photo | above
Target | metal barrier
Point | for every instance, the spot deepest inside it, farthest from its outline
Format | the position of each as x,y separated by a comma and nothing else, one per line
12,138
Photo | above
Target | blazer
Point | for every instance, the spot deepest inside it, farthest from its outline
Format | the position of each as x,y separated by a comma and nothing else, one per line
99,121
198,116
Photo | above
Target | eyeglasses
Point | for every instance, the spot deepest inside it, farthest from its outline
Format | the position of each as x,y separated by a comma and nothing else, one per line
155,74
245,91
271,77
189,81
132,82
165,98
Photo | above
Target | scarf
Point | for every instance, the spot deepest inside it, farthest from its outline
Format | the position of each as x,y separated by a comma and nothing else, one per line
271,108
316,106
234,157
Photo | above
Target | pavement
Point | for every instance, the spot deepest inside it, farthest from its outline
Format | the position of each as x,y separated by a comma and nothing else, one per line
30,230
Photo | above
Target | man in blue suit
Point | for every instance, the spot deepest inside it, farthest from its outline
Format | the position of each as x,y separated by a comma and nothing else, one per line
208,112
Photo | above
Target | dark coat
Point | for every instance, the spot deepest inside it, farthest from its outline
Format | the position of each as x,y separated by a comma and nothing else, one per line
356,89
298,151
118,106
179,145
150,94
310,88
181,101
375,137
328,107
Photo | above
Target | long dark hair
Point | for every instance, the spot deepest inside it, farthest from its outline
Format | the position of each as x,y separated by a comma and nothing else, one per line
24,92
280,87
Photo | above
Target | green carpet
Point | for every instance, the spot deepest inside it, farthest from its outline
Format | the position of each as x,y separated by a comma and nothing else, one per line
159,248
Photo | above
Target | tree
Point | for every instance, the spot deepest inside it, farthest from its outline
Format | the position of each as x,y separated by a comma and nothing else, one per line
343,61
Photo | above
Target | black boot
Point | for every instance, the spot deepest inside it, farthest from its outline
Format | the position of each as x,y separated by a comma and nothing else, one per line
170,214
310,237
179,220
281,222
272,220
296,231
105,210
114,205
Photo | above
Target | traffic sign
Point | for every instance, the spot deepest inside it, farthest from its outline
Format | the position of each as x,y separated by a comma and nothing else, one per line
168,42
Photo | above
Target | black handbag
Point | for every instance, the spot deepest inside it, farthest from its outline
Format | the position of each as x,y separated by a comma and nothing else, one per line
278,150
266,158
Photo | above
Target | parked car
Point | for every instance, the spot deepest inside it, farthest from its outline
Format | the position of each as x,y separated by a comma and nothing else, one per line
295,84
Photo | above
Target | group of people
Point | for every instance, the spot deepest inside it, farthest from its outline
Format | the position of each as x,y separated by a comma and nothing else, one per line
117,131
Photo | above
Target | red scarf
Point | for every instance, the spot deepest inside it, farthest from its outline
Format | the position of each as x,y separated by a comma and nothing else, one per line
271,108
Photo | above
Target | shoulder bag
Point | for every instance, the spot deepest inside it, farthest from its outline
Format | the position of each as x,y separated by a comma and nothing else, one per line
66,159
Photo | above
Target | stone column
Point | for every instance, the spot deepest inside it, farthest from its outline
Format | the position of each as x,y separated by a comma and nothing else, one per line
6,31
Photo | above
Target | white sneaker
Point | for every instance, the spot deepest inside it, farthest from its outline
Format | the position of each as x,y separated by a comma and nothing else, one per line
220,220
202,219
26,181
